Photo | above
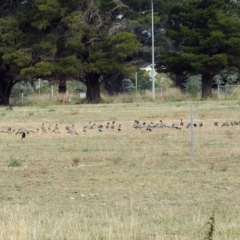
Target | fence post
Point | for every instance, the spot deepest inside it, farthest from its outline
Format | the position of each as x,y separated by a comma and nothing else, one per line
192,137
218,92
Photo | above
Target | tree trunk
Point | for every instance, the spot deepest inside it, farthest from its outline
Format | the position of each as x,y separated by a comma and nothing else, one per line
5,97
93,87
207,79
6,89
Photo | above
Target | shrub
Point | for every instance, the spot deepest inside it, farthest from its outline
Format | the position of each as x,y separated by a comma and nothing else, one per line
14,163
193,85
127,85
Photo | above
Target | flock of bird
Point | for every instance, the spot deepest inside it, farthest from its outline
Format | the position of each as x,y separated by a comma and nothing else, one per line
100,127
56,129
161,124
227,124
110,126
179,126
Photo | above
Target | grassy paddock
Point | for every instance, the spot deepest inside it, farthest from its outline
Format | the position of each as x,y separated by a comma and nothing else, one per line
131,184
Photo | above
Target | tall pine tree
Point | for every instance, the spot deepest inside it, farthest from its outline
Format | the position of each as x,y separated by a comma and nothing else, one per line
207,33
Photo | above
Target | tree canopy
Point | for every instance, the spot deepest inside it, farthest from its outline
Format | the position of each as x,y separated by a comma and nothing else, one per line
65,39
207,33
99,40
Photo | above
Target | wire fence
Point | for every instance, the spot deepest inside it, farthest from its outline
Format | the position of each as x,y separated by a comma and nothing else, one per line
50,94
44,91
228,91
25,99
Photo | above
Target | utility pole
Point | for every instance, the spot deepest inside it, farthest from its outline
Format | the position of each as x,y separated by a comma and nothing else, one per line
153,59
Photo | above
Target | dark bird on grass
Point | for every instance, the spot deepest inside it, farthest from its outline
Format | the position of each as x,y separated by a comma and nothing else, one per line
69,127
107,126
119,127
136,122
86,127
181,123
23,135
100,127
20,131
149,128
225,124
113,126
34,131
189,125
140,126
215,124
152,125
43,128
159,125
56,129
72,131
10,130
92,126
169,125
176,126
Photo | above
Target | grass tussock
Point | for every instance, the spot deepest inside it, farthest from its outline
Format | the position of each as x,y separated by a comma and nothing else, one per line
211,227
14,163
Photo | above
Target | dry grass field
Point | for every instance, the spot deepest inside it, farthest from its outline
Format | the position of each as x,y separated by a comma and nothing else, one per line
128,185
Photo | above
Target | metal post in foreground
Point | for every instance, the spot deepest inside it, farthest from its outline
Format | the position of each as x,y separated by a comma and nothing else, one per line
192,137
